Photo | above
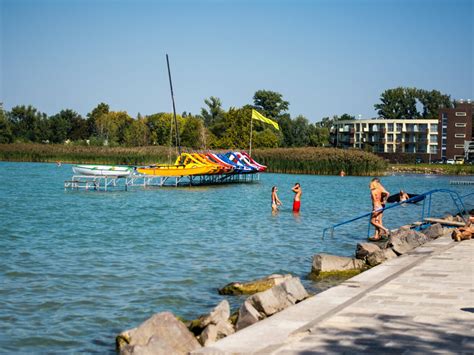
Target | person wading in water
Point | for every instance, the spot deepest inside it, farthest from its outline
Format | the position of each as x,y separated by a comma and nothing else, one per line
297,201
275,200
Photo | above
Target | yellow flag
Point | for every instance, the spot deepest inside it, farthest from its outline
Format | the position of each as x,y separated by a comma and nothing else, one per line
259,117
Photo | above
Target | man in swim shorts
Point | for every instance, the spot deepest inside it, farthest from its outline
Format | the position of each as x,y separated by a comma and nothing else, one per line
297,201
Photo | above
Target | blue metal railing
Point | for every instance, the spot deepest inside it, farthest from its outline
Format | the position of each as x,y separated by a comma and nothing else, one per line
425,212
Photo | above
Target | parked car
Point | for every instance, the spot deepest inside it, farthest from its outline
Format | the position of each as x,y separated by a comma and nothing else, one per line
450,161
459,161
418,161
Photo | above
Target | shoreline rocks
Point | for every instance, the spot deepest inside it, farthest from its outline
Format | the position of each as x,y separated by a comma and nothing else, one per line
163,333
325,265
370,254
251,287
264,304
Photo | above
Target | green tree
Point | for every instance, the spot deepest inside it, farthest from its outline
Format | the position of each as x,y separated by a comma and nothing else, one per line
300,131
270,103
318,136
432,101
266,139
286,130
214,112
29,124
6,135
137,133
68,124
193,134
111,126
237,133
92,117
398,103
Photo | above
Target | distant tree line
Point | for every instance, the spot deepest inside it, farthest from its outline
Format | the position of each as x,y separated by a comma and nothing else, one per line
214,127
403,103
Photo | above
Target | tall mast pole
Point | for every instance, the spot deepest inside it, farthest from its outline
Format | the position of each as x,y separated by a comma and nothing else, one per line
174,108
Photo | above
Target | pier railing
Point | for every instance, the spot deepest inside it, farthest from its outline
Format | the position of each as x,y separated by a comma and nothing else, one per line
425,198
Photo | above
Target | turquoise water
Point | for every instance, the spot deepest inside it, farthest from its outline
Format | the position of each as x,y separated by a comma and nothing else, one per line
76,268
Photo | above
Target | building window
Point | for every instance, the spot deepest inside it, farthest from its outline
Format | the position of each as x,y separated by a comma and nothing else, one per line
399,127
460,135
390,137
434,127
459,146
390,127
433,149
460,125
444,116
433,138
461,114
390,148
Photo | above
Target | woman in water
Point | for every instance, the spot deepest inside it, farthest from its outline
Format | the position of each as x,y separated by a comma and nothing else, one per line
275,200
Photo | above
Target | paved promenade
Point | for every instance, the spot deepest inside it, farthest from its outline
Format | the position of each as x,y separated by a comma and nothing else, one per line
422,302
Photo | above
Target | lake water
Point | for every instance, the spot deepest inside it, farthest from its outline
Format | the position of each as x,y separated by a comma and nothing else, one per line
76,268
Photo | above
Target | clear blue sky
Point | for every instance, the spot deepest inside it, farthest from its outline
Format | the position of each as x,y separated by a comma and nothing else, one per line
326,57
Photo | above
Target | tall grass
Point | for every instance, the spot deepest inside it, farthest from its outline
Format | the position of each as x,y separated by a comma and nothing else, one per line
322,161
33,152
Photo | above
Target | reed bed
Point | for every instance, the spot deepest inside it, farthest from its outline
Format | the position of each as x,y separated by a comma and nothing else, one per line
321,161
32,152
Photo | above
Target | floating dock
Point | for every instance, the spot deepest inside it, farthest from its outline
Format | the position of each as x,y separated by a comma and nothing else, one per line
108,183
461,182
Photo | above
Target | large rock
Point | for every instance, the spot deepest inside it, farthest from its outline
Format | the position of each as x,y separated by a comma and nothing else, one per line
267,303
251,287
214,332
220,313
248,315
404,241
380,256
163,333
363,250
328,265
434,231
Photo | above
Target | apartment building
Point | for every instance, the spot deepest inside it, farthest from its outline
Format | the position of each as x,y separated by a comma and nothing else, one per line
388,136
456,131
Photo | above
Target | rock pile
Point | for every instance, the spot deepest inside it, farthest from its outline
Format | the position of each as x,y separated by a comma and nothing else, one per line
163,333
371,254
267,303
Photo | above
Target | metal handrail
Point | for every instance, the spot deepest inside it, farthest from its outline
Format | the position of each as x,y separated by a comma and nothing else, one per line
421,197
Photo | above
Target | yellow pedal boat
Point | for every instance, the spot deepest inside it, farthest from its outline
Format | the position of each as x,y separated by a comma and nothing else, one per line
185,165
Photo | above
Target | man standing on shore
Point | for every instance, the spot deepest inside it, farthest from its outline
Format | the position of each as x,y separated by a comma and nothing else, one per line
297,201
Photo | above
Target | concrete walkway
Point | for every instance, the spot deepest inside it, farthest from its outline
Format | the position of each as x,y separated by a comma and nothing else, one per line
422,302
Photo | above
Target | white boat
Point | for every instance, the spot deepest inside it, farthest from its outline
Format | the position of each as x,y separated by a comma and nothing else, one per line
102,170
